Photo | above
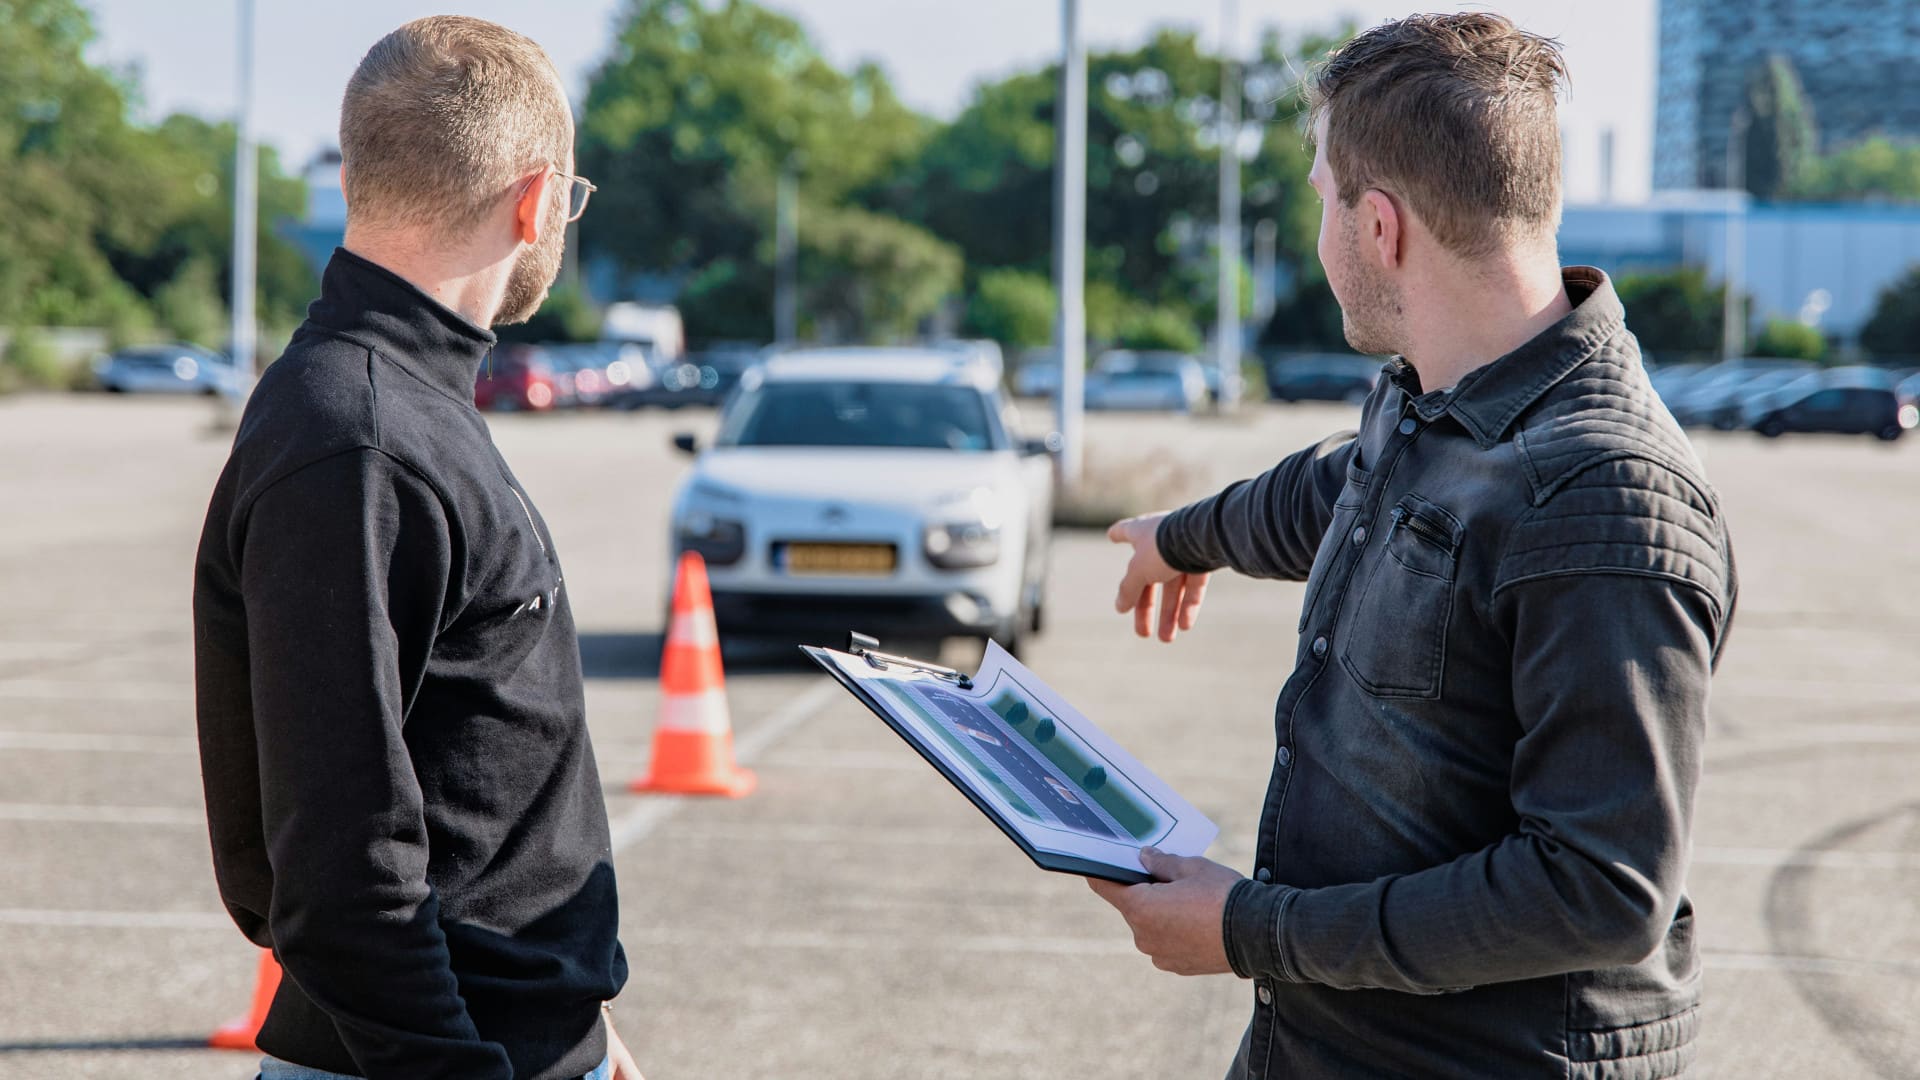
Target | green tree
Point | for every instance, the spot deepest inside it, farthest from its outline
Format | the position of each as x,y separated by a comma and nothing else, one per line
1877,169
687,127
985,181
1013,307
29,360
1781,139
188,306
1308,319
1894,328
1673,312
1045,730
1159,328
1095,779
566,315
97,213
1790,339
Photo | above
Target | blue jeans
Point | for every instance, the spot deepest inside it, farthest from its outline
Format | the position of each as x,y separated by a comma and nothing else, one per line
274,1069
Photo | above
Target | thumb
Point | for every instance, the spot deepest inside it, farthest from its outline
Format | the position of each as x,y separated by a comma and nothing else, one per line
1120,532
1162,866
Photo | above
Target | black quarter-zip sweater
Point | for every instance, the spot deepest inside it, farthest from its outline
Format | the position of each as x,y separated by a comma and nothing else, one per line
401,792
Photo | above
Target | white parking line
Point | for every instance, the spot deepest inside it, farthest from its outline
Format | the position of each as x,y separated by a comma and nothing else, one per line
185,817
787,833
1735,960
636,824
116,920
95,690
104,742
1820,860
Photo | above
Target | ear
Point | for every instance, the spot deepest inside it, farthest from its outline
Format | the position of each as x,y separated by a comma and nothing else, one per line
1383,227
526,209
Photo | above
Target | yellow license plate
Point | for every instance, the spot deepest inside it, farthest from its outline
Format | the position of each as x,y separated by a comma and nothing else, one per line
840,558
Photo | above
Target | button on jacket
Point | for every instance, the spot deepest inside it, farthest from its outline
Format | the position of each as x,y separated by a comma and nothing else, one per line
1472,855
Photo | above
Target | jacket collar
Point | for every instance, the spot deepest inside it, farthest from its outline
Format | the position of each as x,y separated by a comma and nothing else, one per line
1489,399
365,301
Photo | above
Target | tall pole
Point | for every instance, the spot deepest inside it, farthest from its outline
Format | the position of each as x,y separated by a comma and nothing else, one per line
245,204
1733,316
1070,240
786,268
1226,330
1266,243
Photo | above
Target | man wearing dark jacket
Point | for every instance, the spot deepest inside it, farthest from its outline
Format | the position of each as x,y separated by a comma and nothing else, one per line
1472,857
401,792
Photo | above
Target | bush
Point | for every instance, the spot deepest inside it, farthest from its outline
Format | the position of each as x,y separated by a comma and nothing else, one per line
567,315
1790,339
30,362
1157,328
1673,312
188,306
1894,329
1013,307
1309,319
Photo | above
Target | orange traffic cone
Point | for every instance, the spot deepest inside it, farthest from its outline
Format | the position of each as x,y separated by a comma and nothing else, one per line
240,1034
693,738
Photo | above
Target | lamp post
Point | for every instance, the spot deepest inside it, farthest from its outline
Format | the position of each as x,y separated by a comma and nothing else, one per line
1733,317
786,262
1226,327
1070,241
245,204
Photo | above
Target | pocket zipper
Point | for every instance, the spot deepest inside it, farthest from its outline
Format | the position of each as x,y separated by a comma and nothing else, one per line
528,510
1426,529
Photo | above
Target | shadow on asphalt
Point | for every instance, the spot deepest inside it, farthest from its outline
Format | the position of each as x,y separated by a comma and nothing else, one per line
54,1046
637,656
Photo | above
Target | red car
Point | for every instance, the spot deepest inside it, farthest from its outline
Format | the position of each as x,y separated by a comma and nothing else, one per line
516,379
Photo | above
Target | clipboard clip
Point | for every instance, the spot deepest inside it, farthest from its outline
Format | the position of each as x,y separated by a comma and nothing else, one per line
868,649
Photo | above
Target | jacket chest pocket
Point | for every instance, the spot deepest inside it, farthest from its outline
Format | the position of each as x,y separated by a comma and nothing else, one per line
1396,638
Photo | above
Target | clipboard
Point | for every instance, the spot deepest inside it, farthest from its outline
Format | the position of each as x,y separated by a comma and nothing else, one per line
1062,790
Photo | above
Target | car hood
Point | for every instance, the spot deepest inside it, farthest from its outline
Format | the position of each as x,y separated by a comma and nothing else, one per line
889,475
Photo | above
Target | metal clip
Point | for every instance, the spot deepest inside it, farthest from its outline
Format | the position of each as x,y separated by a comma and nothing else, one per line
868,648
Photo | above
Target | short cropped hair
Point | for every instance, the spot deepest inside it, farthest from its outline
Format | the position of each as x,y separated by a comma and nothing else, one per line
1455,114
442,117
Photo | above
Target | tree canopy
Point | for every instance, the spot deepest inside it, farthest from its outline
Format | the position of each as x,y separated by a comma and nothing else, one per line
107,222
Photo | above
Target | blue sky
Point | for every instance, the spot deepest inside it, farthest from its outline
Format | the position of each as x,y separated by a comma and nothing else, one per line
934,50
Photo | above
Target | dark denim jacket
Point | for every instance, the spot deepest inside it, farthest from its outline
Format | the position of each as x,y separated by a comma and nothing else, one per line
1472,858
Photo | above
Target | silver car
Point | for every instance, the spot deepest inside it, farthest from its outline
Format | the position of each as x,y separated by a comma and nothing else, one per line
168,369
1160,381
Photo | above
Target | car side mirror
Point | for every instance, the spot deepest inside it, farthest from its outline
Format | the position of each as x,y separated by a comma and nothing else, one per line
686,443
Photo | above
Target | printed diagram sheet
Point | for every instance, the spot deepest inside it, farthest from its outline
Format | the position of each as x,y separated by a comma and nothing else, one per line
1056,784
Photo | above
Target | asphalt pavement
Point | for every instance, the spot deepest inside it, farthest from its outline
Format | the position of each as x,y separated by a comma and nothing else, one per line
856,918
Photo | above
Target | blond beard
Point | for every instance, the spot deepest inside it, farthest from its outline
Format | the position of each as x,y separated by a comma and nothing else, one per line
532,276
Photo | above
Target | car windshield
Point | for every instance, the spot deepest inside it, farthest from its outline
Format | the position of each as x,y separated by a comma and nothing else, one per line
860,414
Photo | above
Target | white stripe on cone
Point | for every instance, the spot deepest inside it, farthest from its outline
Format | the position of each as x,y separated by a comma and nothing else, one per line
694,628
704,712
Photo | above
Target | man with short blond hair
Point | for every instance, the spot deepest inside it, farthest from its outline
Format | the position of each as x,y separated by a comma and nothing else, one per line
401,791
1472,857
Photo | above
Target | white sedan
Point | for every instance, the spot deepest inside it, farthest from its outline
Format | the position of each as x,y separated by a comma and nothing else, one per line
871,490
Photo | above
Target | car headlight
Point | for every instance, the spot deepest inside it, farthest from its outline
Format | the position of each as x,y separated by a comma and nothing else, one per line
958,545
720,541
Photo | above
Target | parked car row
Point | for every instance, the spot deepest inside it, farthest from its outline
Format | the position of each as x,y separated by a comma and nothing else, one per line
1774,397
613,375
1123,379
169,369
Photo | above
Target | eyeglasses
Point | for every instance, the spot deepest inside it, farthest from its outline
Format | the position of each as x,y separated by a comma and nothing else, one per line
579,190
